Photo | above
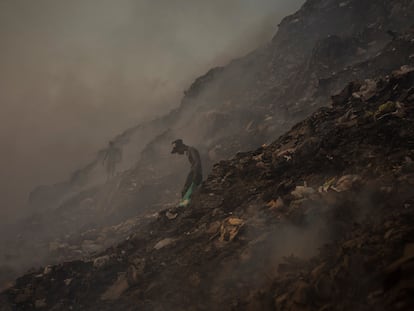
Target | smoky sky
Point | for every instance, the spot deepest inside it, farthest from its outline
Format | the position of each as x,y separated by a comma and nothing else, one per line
75,73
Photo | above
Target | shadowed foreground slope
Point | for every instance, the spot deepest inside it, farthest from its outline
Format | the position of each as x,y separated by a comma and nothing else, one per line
321,219
247,103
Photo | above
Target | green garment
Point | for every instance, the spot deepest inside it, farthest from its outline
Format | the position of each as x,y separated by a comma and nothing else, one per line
185,201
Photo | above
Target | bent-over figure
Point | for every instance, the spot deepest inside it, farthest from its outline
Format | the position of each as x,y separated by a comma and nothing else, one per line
195,176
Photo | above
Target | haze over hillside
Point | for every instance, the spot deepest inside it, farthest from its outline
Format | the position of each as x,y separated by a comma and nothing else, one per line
307,148
75,73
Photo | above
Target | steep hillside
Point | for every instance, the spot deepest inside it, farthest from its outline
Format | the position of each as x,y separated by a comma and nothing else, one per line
241,106
320,219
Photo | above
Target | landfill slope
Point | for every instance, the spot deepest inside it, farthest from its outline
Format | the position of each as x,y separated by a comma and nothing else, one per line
238,107
320,219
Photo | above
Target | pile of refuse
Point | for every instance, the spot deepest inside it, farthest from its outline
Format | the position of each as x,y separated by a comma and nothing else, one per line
247,103
320,219
357,153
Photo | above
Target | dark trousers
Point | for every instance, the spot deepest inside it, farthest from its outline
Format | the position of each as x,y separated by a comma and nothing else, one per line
196,177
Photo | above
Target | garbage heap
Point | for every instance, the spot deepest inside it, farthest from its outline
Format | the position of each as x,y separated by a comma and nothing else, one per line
320,219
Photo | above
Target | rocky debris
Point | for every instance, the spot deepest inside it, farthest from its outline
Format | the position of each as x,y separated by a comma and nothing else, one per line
353,267
164,243
96,240
230,228
116,289
100,262
344,183
328,228
245,104
357,153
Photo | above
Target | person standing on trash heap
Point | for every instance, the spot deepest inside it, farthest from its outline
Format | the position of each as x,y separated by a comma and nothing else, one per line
112,157
195,177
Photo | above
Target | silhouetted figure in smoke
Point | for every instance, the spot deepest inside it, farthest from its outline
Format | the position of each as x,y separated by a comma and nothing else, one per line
195,177
113,156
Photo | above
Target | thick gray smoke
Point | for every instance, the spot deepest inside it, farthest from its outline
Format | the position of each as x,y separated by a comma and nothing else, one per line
73,74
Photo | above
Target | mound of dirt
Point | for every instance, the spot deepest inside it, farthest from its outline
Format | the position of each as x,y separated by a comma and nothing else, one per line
320,219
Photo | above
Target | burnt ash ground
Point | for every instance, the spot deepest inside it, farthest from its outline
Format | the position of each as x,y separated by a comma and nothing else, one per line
321,219
253,199
224,114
